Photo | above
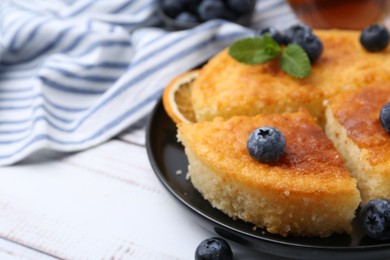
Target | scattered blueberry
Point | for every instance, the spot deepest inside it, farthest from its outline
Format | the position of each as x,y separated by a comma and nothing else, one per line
295,32
384,117
172,7
375,219
266,144
229,15
375,38
205,10
185,2
273,32
240,6
211,9
192,7
312,46
186,17
213,248
303,35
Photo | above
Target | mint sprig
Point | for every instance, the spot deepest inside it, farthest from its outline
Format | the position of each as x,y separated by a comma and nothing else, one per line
255,50
258,50
295,61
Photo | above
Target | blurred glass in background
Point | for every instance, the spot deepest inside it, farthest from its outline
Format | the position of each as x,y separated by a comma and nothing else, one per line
341,14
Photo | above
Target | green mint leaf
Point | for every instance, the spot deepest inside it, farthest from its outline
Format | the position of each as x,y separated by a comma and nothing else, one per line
255,50
295,61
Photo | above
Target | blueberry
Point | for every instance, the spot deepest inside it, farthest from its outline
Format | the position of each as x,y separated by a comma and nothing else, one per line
273,32
295,32
213,248
172,7
229,15
311,44
384,117
375,38
211,9
266,144
240,6
375,219
186,17
192,7
185,2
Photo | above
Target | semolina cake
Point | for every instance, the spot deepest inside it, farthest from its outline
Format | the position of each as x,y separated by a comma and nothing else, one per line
307,193
226,87
352,123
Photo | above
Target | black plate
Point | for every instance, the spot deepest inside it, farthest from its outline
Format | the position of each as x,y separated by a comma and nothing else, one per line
167,157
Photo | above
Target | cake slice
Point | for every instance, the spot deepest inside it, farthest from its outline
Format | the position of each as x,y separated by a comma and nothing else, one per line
352,123
307,193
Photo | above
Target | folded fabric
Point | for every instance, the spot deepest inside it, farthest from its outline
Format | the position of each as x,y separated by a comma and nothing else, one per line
76,73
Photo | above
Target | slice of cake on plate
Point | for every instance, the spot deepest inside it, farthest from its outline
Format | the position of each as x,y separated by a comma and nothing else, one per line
307,192
352,122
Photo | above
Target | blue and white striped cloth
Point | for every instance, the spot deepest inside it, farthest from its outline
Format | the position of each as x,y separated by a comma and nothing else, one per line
76,73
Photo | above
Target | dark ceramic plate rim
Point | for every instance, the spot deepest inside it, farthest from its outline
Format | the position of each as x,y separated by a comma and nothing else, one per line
379,250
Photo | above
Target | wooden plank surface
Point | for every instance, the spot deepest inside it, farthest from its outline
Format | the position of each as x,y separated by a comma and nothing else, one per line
96,203
103,203
12,250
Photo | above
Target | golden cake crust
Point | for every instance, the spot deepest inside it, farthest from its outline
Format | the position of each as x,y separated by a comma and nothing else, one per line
358,112
310,165
226,87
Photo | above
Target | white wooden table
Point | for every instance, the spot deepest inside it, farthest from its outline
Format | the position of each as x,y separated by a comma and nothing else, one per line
102,203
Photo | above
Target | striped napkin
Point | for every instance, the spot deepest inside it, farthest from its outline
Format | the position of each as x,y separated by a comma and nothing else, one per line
76,73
